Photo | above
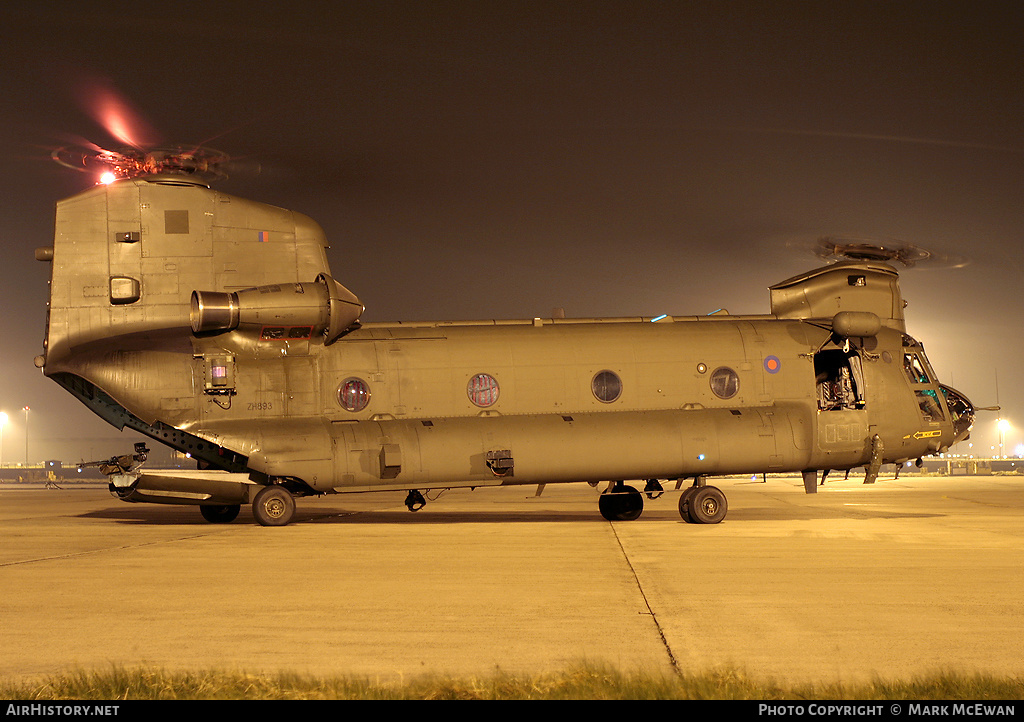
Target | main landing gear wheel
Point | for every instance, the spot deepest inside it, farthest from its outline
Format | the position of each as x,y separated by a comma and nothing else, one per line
273,506
219,514
703,505
684,503
621,503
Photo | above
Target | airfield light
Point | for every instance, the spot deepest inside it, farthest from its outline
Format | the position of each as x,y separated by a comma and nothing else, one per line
107,178
3,423
26,410
1003,425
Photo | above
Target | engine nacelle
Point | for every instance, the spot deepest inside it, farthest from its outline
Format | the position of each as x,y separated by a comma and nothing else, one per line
279,311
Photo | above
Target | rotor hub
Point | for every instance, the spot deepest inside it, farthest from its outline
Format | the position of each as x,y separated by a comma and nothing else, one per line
832,249
194,162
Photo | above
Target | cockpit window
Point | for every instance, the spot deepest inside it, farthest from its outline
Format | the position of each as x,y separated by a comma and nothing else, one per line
918,372
928,402
914,369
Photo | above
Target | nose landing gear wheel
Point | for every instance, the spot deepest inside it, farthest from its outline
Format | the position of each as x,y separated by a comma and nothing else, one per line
273,506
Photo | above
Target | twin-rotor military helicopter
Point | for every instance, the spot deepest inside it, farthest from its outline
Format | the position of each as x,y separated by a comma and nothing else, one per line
214,325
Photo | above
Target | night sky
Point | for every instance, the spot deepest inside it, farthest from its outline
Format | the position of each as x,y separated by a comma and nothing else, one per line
476,160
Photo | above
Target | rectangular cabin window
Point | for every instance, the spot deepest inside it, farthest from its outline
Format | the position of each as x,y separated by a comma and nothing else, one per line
219,374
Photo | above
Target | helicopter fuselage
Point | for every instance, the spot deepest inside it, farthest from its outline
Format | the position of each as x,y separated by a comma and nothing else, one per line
212,324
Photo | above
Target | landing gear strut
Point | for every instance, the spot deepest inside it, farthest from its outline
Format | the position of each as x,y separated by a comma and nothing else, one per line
653,489
415,500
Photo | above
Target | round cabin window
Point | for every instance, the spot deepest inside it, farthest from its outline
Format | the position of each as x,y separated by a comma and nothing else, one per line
607,386
483,390
724,382
353,394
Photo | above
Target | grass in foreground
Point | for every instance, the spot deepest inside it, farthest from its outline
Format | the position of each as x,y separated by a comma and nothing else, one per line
584,681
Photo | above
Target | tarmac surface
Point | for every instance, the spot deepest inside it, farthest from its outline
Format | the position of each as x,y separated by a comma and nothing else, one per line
901,578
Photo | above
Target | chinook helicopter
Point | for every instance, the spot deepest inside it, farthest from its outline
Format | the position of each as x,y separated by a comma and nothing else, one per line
214,325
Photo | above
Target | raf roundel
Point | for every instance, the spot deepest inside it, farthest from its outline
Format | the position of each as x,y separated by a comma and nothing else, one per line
772,364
